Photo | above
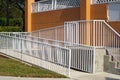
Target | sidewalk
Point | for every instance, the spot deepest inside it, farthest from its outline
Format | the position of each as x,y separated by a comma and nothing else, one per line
98,76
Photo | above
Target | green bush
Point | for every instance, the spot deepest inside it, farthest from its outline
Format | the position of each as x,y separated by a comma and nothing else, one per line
10,29
16,22
2,21
12,22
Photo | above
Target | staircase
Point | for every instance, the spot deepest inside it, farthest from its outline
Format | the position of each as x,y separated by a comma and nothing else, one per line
111,66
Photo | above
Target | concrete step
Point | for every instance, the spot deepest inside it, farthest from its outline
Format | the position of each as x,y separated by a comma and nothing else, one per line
111,66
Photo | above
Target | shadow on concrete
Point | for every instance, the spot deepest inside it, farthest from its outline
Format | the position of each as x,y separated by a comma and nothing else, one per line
107,78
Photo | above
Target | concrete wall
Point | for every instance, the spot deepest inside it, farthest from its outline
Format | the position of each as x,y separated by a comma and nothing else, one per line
99,59
54,18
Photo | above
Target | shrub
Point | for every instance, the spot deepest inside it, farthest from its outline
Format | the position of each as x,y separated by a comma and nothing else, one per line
2,21
12,22
16,22
10,29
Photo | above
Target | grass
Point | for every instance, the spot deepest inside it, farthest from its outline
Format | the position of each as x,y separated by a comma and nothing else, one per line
10,67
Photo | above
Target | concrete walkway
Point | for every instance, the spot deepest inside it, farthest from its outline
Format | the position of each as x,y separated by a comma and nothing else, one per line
98,76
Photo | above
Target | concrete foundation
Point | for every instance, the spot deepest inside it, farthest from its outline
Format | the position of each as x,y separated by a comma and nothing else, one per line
99,59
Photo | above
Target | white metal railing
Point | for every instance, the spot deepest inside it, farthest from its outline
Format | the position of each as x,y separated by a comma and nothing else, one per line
104,1
48,5
76,49
64,46
83,58
55,33
48,51
29,49
56,36
94,33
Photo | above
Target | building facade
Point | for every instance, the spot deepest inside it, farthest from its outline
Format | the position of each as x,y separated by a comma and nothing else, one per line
50,13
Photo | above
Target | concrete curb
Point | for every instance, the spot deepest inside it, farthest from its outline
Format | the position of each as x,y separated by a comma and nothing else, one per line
23,78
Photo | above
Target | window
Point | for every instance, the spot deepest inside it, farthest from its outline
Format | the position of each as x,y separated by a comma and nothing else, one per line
114,12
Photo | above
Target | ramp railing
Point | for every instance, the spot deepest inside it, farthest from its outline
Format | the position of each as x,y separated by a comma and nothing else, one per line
31,50
50,54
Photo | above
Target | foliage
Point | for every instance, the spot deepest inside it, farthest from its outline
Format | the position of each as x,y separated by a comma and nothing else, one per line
12,22
10,29
2,21
9,67
15,14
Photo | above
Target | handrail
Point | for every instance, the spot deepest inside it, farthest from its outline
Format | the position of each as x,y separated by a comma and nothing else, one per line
104,1
7,34
112,29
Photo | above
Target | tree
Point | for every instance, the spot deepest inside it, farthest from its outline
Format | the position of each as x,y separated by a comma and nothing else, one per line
15,12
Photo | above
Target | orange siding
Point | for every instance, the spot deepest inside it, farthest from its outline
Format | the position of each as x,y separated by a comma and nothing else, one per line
115,25
54,18
99,12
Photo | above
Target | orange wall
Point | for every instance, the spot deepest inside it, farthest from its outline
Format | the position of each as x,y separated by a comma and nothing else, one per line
115,25
54,18
99,12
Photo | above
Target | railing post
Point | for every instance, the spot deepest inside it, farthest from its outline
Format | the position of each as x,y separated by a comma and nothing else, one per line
52,4
21,48
65,32
38,7
7,36
30,44
55,4
93,41
69,62
56,38
94,60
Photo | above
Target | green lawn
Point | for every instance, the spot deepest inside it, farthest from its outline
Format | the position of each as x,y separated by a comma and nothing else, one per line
10,67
